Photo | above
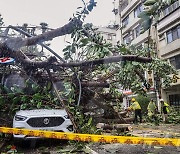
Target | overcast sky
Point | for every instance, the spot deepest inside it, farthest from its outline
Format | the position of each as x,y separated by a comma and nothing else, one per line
54,12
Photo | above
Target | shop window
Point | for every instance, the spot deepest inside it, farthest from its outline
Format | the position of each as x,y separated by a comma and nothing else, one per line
174,99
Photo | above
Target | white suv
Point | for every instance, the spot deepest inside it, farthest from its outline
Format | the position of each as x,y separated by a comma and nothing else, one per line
42,119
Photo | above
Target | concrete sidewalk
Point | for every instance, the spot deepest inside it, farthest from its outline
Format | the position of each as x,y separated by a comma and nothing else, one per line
162,131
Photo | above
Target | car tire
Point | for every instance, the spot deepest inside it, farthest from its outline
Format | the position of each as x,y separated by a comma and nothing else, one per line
17,141
32,143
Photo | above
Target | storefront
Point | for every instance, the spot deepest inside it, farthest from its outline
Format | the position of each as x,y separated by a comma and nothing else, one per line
172,94
174,99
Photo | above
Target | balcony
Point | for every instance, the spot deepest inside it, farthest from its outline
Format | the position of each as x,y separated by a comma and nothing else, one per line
168,20
141,38
166,11
129,26
170,48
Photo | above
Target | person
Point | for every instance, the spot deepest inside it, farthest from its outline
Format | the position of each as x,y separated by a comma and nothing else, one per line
137,110
165,110
152,109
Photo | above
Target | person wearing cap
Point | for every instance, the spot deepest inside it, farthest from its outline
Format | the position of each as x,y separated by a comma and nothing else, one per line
137,110
165,110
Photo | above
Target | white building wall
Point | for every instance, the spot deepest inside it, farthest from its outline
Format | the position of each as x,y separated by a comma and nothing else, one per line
159,35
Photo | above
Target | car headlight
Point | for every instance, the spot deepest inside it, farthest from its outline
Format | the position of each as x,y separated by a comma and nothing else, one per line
20,118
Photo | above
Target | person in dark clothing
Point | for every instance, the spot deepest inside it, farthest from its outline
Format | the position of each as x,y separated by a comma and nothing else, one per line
138,114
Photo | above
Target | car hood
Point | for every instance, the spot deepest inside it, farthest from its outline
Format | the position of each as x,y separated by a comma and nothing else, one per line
42,112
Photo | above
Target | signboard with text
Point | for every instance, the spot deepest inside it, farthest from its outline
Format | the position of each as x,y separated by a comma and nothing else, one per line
6,60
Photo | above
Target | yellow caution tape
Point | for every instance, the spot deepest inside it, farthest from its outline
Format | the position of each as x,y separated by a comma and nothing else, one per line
93,138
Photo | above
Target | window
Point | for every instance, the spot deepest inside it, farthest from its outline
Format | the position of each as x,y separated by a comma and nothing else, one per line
175,61
173,34
169,37
138,10
165,12
125,21
127,39
109,37
174,99
170,8
137,31
124,5
178,29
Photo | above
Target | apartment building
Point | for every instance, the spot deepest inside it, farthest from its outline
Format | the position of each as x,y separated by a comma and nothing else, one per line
108,33
129,23
166,36
168,30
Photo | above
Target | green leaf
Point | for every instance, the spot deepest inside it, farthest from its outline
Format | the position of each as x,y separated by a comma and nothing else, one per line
86,12
37,96
49,86
85,41
24,99
79,7
90,7
145,14
23,106
16,100
2,100
11,95
146,24
150,2
169,1
67,48
73,49
39,105
90,121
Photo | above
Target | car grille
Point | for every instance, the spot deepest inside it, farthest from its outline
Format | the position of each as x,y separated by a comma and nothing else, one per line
45,121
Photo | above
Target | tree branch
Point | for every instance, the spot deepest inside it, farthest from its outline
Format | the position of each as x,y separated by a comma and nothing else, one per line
16,43
107,60
95,84
21,58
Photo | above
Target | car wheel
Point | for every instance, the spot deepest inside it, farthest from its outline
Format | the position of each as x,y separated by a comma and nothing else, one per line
17,141
32,144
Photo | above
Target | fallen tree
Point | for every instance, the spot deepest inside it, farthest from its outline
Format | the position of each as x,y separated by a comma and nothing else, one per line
90,63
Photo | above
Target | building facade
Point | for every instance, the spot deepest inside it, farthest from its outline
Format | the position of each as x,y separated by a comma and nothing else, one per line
166,36
108,33
168,30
